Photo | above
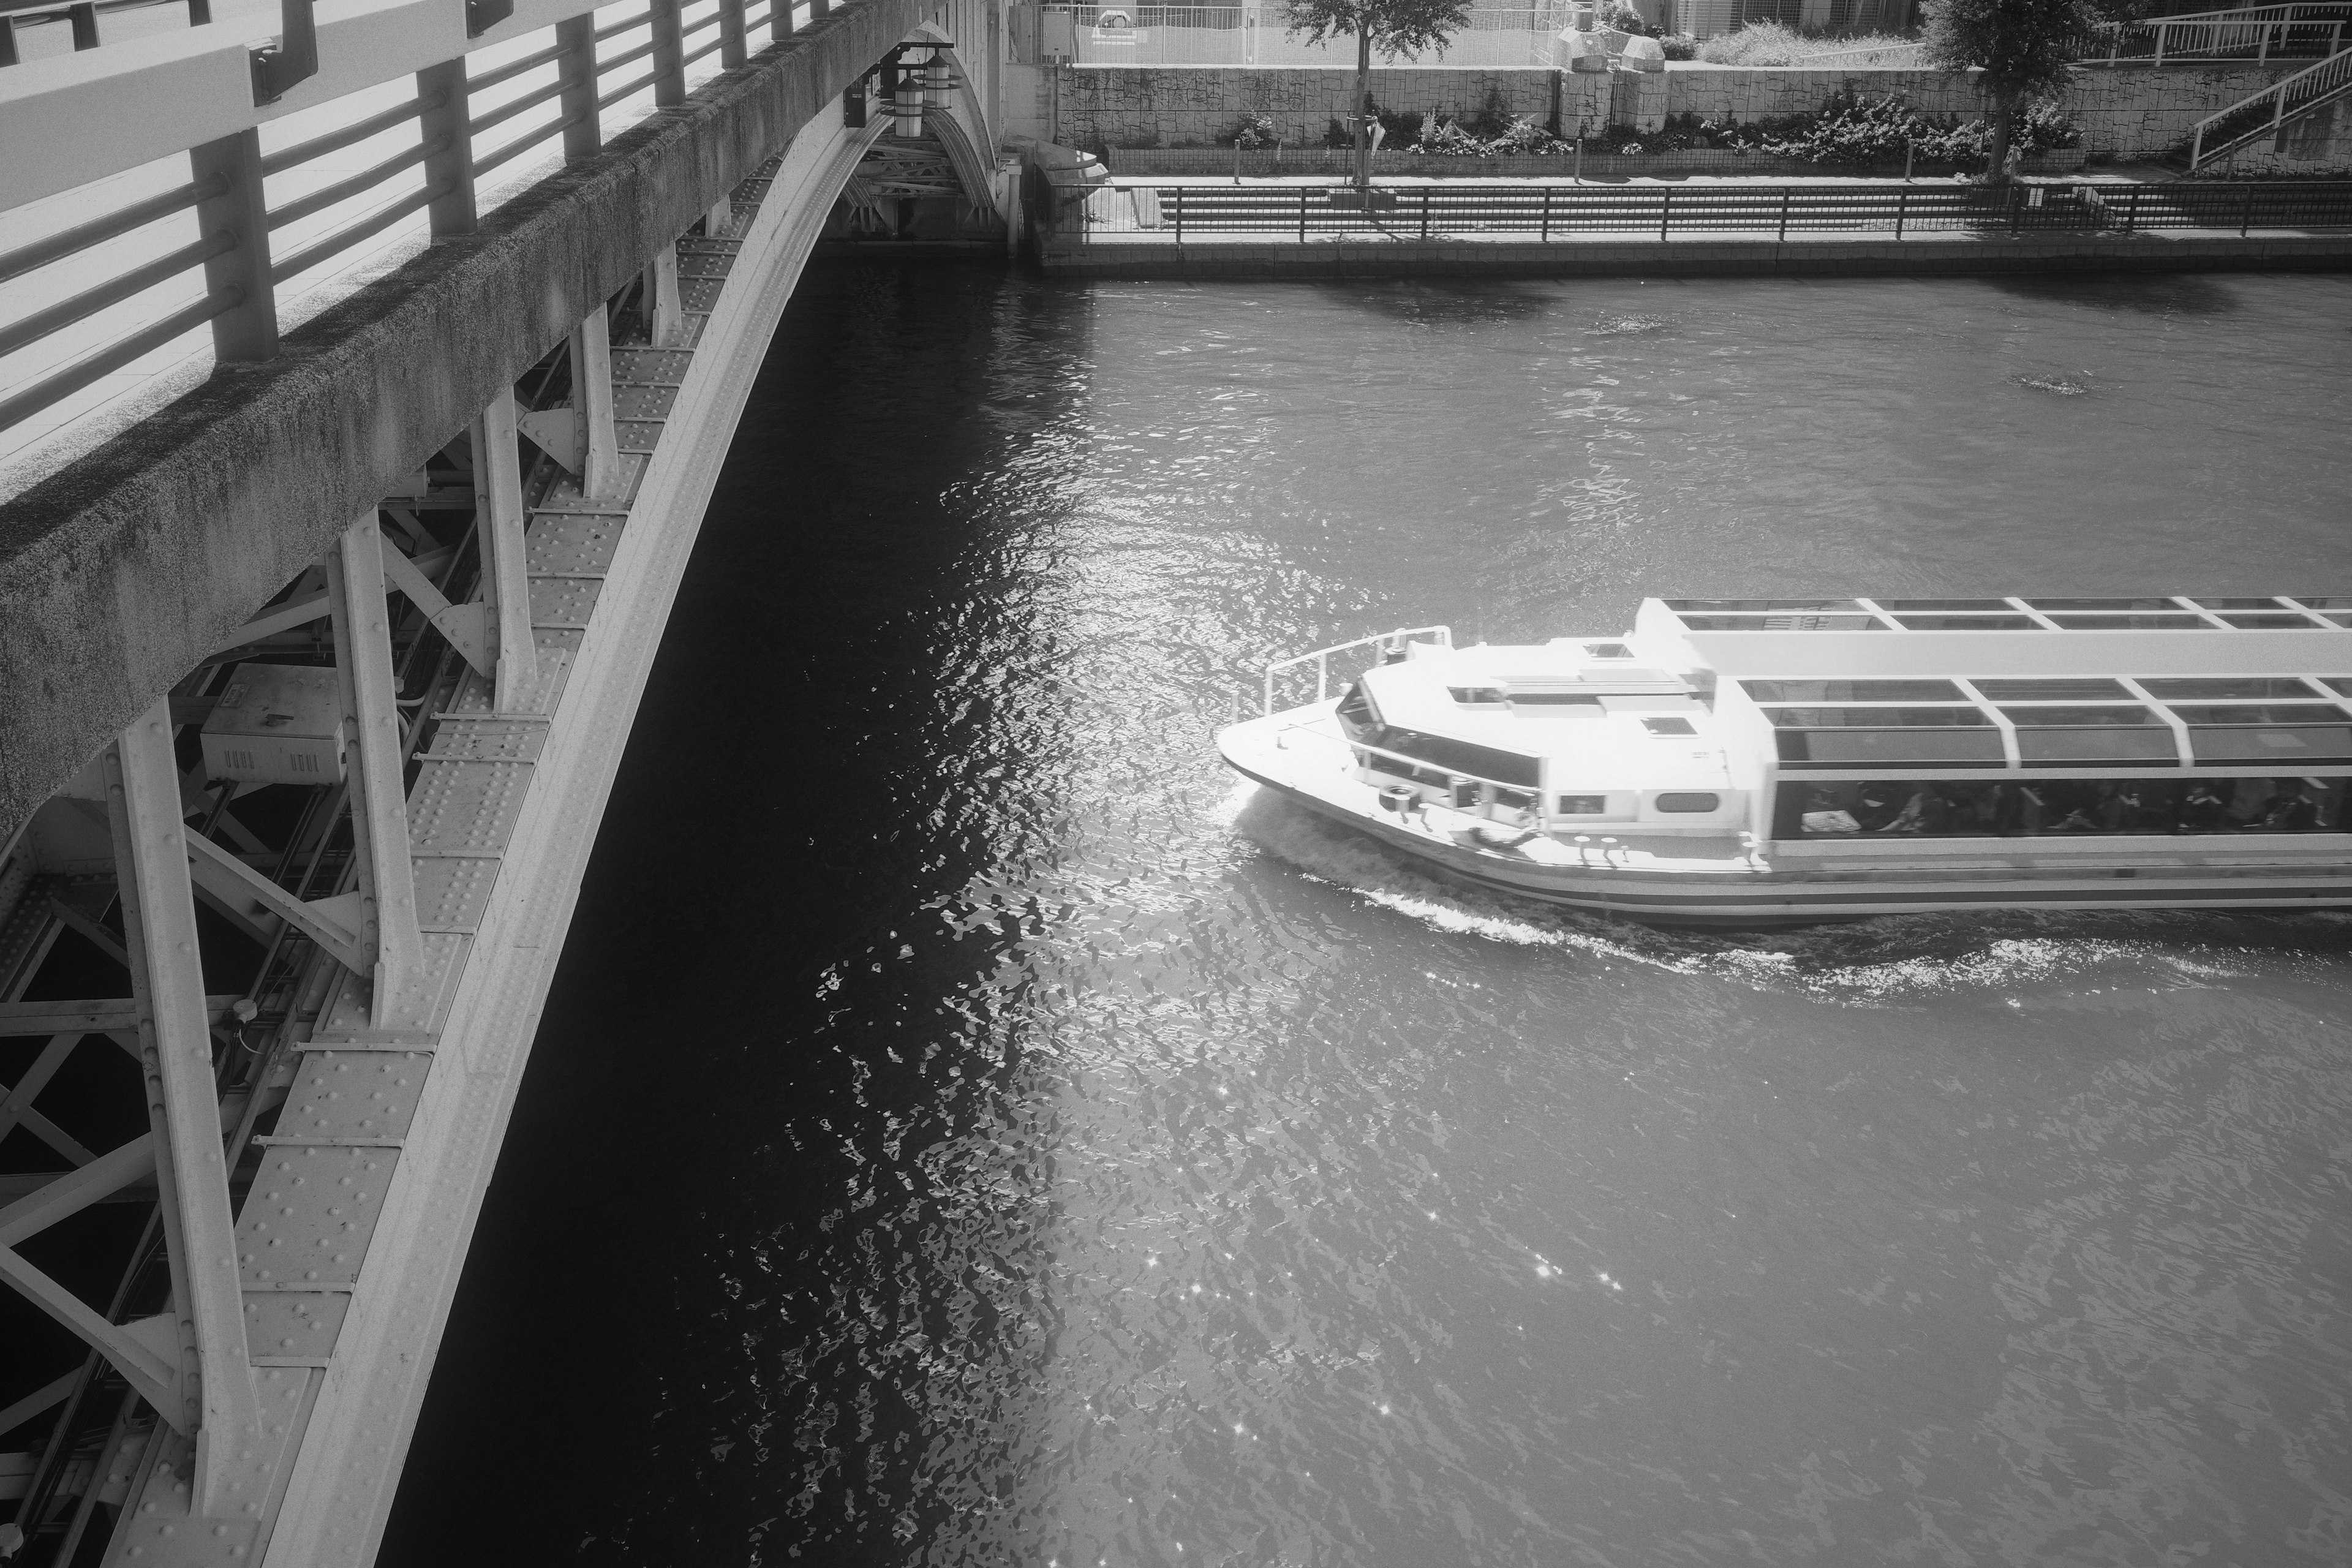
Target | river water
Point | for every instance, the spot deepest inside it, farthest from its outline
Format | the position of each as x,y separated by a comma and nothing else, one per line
967,1128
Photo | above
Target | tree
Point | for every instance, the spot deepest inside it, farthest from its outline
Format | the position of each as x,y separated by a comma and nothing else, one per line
1392,26
2026,49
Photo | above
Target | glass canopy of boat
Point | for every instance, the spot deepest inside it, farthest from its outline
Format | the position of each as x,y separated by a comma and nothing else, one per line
2309,611
2077,721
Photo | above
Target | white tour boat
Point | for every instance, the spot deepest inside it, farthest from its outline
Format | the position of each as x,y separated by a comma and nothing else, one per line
1767,762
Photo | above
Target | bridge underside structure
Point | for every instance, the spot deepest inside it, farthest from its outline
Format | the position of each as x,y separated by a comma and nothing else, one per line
316,682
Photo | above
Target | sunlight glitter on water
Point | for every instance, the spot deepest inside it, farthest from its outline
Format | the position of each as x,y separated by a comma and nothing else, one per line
1061,1151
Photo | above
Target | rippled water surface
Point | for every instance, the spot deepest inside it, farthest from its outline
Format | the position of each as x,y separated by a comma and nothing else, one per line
967,1128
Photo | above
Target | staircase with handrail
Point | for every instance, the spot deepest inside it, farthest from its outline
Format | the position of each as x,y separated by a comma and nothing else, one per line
2255,34
2267,113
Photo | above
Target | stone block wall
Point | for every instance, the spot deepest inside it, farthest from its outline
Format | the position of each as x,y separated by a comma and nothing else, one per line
2126,111
2318,145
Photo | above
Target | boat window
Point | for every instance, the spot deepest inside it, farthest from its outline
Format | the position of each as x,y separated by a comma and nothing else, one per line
1678,606
2082,737
1444,752
2341,684
1956,808
1783,623
1669,727
1490,696
1857,690
2172,689
2275,733
1875,718
2053,689
1689,800
2069,716
2182,622
1554,700
2325,601
1583,805
1967,623
1996,605
2237,603
1607,650
2284,621
2153,603
1359,720
1889,748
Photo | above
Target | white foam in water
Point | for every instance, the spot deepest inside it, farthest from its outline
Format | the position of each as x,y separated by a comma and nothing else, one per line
1868,963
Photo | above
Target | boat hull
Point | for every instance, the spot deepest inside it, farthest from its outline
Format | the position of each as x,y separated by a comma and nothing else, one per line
1750,890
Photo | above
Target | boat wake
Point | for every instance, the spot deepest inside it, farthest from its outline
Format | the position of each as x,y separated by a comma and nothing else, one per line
1877,961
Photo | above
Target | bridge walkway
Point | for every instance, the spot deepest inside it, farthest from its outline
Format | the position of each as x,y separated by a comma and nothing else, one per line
256,1173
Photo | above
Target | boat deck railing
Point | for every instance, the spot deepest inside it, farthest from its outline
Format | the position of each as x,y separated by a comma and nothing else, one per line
1386,642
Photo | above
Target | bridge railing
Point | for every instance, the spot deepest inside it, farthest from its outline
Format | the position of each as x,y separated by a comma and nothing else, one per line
154,199
1224,211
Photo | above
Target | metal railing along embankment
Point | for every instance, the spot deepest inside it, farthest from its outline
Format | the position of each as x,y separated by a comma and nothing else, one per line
112,255
1556,213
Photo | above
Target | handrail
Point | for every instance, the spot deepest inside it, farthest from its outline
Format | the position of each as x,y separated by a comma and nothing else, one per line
113,291
81,237
358,131
1322,684
107,360
2253,33
1554,214
73,116
2244,13
2312,85
375,223
513,69
342,190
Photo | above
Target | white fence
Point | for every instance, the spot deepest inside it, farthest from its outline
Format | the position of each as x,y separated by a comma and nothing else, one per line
1515,37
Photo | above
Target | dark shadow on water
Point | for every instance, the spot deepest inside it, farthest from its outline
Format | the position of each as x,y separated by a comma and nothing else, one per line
1433,303
2173,294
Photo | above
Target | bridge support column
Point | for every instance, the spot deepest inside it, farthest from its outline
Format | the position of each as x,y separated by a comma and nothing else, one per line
452,165
668,324
670,54
591,394
582,134
206,1317
733,50
506,584
247,330
386,916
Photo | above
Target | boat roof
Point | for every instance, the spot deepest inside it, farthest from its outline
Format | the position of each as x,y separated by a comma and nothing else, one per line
2156,635
1601,714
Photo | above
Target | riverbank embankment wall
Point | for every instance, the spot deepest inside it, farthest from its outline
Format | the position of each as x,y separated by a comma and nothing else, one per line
2124,112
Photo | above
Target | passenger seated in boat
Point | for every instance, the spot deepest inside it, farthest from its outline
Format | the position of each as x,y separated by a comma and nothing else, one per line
2290,809
2202,810
1924,812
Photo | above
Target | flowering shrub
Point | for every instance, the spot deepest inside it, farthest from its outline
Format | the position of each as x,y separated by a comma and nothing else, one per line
1679,47
1254,131
1778,44
1621,17
1849,130
1519,138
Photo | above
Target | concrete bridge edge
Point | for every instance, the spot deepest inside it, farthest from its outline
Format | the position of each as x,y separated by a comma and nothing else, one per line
122,571
342,1488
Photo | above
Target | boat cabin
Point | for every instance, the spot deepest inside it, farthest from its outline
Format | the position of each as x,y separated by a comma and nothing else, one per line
1834,722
